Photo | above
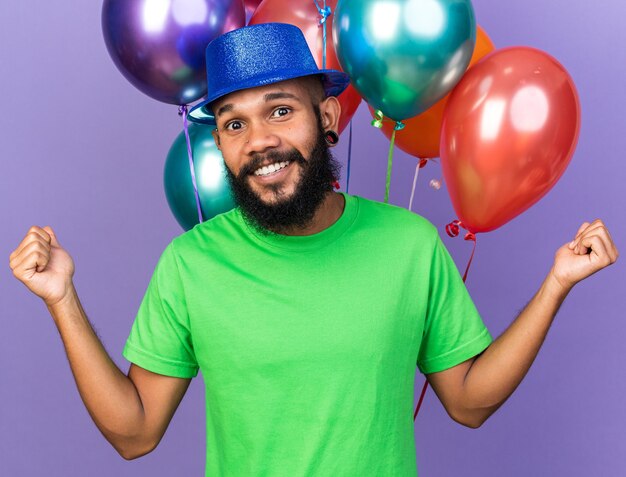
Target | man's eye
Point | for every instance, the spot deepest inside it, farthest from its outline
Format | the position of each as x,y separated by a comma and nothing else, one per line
279,112
234,125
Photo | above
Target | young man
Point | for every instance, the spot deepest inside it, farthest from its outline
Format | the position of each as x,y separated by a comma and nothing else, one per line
306,310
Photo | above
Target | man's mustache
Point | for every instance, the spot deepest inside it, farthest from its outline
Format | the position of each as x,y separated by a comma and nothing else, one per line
273,156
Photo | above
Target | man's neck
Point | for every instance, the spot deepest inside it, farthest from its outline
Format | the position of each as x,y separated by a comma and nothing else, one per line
326,215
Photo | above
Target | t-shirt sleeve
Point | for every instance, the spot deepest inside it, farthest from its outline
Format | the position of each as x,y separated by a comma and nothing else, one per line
160,338
453,329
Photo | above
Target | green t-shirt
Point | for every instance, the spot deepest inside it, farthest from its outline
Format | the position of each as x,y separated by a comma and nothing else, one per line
308,344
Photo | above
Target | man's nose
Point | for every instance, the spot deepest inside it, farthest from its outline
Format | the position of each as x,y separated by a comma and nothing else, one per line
260,138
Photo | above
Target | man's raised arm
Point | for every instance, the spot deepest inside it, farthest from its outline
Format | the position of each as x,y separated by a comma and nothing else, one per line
133,411
476,388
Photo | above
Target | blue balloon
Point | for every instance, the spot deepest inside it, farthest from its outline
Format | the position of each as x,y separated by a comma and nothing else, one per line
403,56
213,188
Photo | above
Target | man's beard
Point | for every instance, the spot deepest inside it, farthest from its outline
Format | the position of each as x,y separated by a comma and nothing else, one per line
296,212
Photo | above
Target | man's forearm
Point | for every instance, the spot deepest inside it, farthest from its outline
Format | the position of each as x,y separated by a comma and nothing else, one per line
496,373
110,396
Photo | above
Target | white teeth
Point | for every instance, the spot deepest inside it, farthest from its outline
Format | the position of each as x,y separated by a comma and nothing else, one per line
267,170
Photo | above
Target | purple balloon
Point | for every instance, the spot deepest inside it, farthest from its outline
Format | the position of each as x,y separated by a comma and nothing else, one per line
158,45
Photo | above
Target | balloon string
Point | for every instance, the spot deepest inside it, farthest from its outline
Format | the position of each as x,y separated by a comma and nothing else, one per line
399,126
419,403
182,111
419,165
349,158
452,229
417,171
389,161
325,13
472,237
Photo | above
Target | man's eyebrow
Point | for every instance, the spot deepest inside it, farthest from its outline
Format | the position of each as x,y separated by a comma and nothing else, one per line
279,95
224,109
268,97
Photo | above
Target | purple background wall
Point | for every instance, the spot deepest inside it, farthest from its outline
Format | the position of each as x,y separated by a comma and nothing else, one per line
83,151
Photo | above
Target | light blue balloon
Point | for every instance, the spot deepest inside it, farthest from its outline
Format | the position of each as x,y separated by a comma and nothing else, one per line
404,55
213,188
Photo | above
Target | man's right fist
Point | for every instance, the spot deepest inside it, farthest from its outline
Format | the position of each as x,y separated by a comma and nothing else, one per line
41,264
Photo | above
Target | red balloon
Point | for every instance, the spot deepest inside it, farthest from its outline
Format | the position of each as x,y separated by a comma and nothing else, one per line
510,129
304,15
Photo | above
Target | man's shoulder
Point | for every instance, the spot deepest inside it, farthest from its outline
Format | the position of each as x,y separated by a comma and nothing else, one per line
393,218
214,230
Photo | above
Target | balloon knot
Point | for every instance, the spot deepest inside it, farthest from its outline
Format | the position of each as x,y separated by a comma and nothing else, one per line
324,12
399,126
423,163
378,121
182,110
452,229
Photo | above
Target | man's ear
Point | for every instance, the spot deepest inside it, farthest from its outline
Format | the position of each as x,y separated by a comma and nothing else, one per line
216,138
330,110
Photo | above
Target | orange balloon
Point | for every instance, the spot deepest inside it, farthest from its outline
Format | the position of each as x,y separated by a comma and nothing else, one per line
509,131
304,15
421,134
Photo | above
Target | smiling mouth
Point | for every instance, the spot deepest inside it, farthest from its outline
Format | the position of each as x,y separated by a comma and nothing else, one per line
271,169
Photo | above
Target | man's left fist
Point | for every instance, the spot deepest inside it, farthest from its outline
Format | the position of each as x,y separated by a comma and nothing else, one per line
591,250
